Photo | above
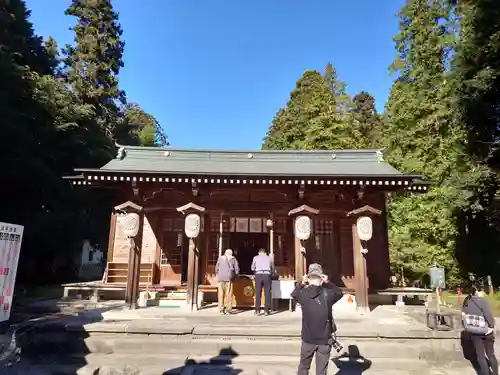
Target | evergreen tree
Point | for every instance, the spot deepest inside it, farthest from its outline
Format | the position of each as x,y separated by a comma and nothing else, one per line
342,100
311,119
140,128
94,61
369,122
422,139
38,114
476,106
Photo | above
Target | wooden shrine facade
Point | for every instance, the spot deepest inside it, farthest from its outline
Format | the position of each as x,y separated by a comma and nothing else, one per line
249,201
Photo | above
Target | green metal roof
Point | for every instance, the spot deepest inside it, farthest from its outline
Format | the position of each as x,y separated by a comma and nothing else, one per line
134,159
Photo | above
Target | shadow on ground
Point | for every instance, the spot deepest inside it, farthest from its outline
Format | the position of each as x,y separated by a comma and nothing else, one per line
352,362
218,365
45,346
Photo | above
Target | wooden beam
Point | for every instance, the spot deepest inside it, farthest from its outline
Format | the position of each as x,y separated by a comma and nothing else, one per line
191,207
112,233
304,209
365,210
128,206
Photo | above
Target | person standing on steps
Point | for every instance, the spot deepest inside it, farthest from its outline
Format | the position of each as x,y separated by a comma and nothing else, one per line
262,266
226,269
479,324
316,296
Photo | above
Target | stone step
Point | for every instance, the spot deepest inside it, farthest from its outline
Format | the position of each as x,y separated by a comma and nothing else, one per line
142,364
432,350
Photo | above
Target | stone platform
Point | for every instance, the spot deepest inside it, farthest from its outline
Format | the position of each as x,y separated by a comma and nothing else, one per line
161,341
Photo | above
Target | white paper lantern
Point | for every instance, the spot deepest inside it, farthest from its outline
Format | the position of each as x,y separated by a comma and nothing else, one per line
131,224
365,228
303,228
192,225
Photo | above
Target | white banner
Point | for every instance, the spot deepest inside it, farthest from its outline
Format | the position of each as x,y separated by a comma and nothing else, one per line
11,236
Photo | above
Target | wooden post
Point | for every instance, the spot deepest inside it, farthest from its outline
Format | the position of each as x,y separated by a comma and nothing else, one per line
360,268
112,233
360,272
221,227
134,260
270,226
300,258
193,260
192,276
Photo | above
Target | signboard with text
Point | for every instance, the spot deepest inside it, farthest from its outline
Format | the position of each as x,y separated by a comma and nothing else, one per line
11,236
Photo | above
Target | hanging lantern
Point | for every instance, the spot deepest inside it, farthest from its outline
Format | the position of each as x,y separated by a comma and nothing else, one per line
131,224
303,227
364,226
192,225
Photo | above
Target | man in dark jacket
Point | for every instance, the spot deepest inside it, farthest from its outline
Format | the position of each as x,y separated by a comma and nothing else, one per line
316,296
476,306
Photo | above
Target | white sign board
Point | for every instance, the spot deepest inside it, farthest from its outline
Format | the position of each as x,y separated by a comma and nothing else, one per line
11,236
281,289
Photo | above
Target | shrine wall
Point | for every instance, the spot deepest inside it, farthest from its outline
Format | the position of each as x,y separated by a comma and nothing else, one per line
121,243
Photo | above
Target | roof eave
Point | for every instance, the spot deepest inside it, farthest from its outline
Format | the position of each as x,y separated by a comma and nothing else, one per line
184,173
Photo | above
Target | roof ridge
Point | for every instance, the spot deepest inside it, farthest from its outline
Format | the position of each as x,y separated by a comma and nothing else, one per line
228,151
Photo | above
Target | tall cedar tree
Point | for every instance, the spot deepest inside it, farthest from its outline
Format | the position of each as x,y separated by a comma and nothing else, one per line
311,119
422,139
140,128
477,107
92,67
369,122
343,103
37,116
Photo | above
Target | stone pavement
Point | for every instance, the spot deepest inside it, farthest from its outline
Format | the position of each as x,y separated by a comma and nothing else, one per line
159,341
384,321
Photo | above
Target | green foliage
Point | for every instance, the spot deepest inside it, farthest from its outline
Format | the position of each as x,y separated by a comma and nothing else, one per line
56,117
440,122
140,128
421,138
476,105
369,121
416,243
318,115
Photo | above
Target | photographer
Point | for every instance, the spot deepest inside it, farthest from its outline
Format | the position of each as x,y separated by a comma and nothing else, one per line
316,296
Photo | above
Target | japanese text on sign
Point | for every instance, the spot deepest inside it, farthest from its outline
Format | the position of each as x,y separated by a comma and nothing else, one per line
10,246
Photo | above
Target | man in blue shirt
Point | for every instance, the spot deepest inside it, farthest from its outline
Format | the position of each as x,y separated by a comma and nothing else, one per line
262,266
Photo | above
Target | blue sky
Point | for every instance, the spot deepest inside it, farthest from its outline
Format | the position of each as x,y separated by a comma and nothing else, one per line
214,72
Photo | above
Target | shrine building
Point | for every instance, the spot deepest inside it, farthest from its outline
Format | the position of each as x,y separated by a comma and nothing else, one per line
247,200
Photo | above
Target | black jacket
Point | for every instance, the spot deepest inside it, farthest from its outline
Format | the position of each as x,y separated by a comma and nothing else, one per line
317,320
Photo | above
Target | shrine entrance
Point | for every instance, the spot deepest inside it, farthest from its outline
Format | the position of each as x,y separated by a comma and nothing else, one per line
246,237
245,246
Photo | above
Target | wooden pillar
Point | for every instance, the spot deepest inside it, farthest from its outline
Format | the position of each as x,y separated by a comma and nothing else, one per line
192,275
193,270
360,267
134,267
134,260
337,249
112,233
300,258
360,272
